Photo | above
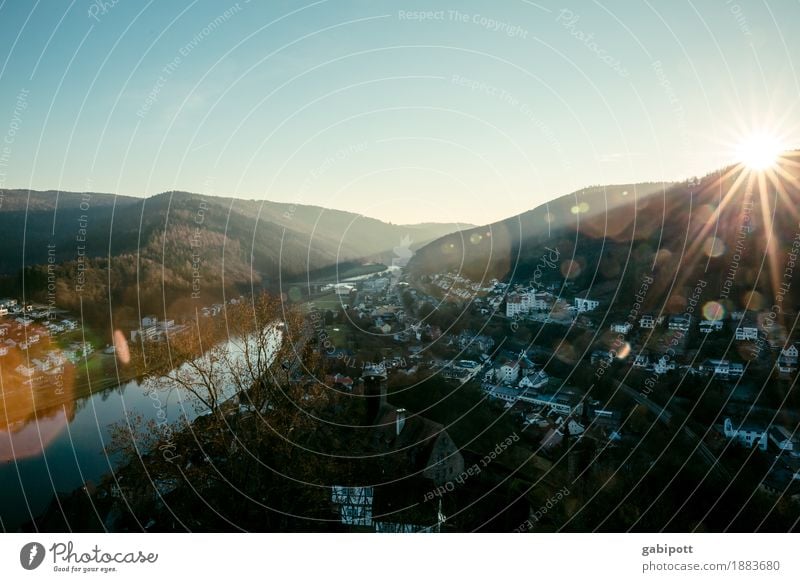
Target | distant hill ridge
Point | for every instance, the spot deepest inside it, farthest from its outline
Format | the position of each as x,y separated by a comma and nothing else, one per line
160,249
607,238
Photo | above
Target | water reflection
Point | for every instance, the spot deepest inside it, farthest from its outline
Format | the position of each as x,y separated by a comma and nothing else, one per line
37,386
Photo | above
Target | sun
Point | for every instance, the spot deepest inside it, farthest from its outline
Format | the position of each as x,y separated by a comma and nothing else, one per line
759,151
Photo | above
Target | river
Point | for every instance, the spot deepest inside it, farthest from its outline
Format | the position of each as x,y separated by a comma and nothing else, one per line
61,447
60,451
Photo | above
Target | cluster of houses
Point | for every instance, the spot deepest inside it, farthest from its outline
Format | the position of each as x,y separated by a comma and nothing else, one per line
370,299
563,412
529,302
661,364
342,290
517,381
746,328
153,329
556,410
784,474
28,330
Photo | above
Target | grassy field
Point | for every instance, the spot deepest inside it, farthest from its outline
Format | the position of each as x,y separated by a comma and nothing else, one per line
326,301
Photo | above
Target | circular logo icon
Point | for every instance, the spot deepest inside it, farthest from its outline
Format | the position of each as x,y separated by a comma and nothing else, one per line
31,555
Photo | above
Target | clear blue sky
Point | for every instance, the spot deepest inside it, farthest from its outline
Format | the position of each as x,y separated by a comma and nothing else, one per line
478,112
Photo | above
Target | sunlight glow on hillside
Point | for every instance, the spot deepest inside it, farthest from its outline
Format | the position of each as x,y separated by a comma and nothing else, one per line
759,151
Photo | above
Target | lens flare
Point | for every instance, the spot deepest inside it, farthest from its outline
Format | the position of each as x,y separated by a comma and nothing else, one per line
713,311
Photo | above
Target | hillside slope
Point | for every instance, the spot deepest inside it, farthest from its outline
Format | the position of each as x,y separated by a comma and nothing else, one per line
731,231
161,250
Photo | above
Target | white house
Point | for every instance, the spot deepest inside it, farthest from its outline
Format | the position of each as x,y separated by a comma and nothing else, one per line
540,301
583,305
148,333
149,321
601,356
563,401
787,360
508,372
789,354
647,322
507,393
707,326
621,327
663,365
536,380
24,370
522,303
746,332
735,369
747,434
641,361
344,290
515,305
718,367
41,365
680,322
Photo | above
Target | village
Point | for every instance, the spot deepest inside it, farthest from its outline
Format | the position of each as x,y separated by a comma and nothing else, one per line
501,336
